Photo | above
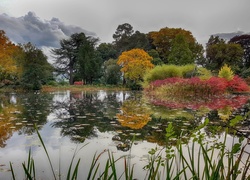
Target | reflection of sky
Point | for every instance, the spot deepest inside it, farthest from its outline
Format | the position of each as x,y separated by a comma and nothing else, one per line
62,148
13,99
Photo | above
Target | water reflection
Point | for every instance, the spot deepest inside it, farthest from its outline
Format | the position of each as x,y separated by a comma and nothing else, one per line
116,117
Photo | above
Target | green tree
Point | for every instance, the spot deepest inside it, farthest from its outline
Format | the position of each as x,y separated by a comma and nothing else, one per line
126,39
36,69
106,51
67,55
244,41
88,66
122,36
139,40
111,72
218,53
180,53
162,42
156,58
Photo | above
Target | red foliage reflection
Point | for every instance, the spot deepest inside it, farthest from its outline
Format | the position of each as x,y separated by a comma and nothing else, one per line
234,101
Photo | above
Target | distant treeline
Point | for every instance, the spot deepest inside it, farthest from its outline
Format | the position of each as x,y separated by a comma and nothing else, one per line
124,61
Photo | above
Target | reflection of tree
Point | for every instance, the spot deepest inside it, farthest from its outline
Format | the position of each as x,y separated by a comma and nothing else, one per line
82,112
134,114
8,116
35,110
225,113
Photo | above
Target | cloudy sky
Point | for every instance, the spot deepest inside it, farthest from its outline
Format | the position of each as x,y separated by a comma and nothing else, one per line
45,22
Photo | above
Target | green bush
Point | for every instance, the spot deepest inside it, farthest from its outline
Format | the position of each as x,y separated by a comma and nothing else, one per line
168,71
188,70
52,83
162,72
204,73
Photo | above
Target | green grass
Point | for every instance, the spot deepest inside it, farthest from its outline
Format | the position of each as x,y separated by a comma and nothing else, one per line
83,87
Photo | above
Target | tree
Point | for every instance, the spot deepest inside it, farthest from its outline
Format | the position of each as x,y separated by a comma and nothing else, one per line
111,72
162,42
122,36
36,69
139,40
218,53
123,31
88,65
68,55
180,53
106,51
134,64
244,41
156,58
8,59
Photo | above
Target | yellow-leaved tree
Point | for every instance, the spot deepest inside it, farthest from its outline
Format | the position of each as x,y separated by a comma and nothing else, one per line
8,52
134,64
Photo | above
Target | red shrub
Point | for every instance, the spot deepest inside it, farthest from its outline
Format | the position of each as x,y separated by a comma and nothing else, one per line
218,85
237,84
172,80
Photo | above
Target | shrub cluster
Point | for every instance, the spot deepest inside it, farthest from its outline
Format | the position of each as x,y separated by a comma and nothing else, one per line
168,71
197,87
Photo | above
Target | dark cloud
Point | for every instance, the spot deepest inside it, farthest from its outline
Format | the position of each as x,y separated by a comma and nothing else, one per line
31,28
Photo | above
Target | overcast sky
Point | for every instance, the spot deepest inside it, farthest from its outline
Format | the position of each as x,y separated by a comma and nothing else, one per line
45,22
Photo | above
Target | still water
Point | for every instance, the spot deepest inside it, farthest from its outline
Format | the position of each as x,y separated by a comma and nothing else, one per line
91,122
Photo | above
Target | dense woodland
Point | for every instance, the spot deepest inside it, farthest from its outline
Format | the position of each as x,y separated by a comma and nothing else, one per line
124,61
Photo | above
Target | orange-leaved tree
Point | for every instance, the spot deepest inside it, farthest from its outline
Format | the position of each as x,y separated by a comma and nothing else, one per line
8,53
134,64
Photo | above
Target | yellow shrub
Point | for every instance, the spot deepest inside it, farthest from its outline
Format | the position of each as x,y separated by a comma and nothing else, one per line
226,72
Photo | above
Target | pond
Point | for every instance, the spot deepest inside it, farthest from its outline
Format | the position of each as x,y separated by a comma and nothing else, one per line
92,122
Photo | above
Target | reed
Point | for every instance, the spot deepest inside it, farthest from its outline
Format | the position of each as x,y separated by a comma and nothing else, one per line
198,159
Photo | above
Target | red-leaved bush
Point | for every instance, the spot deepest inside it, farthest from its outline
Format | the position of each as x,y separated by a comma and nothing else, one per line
237,84
197,87
213,104
171,80
217,85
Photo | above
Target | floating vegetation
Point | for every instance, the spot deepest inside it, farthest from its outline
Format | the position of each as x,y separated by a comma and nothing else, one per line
81,117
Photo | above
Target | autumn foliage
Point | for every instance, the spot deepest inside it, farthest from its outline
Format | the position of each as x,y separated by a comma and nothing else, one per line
8,63
197,87
135,63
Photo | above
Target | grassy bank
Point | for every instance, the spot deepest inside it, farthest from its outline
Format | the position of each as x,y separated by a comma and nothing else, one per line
48,88
81,87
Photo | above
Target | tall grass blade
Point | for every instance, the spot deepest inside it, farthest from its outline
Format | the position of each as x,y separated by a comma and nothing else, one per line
93,164
12,172
47,154
28,175
112,163
75,173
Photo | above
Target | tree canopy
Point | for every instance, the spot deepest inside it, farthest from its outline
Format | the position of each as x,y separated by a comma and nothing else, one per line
36,69
218,53
8,58
163,40
74,53
135,63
